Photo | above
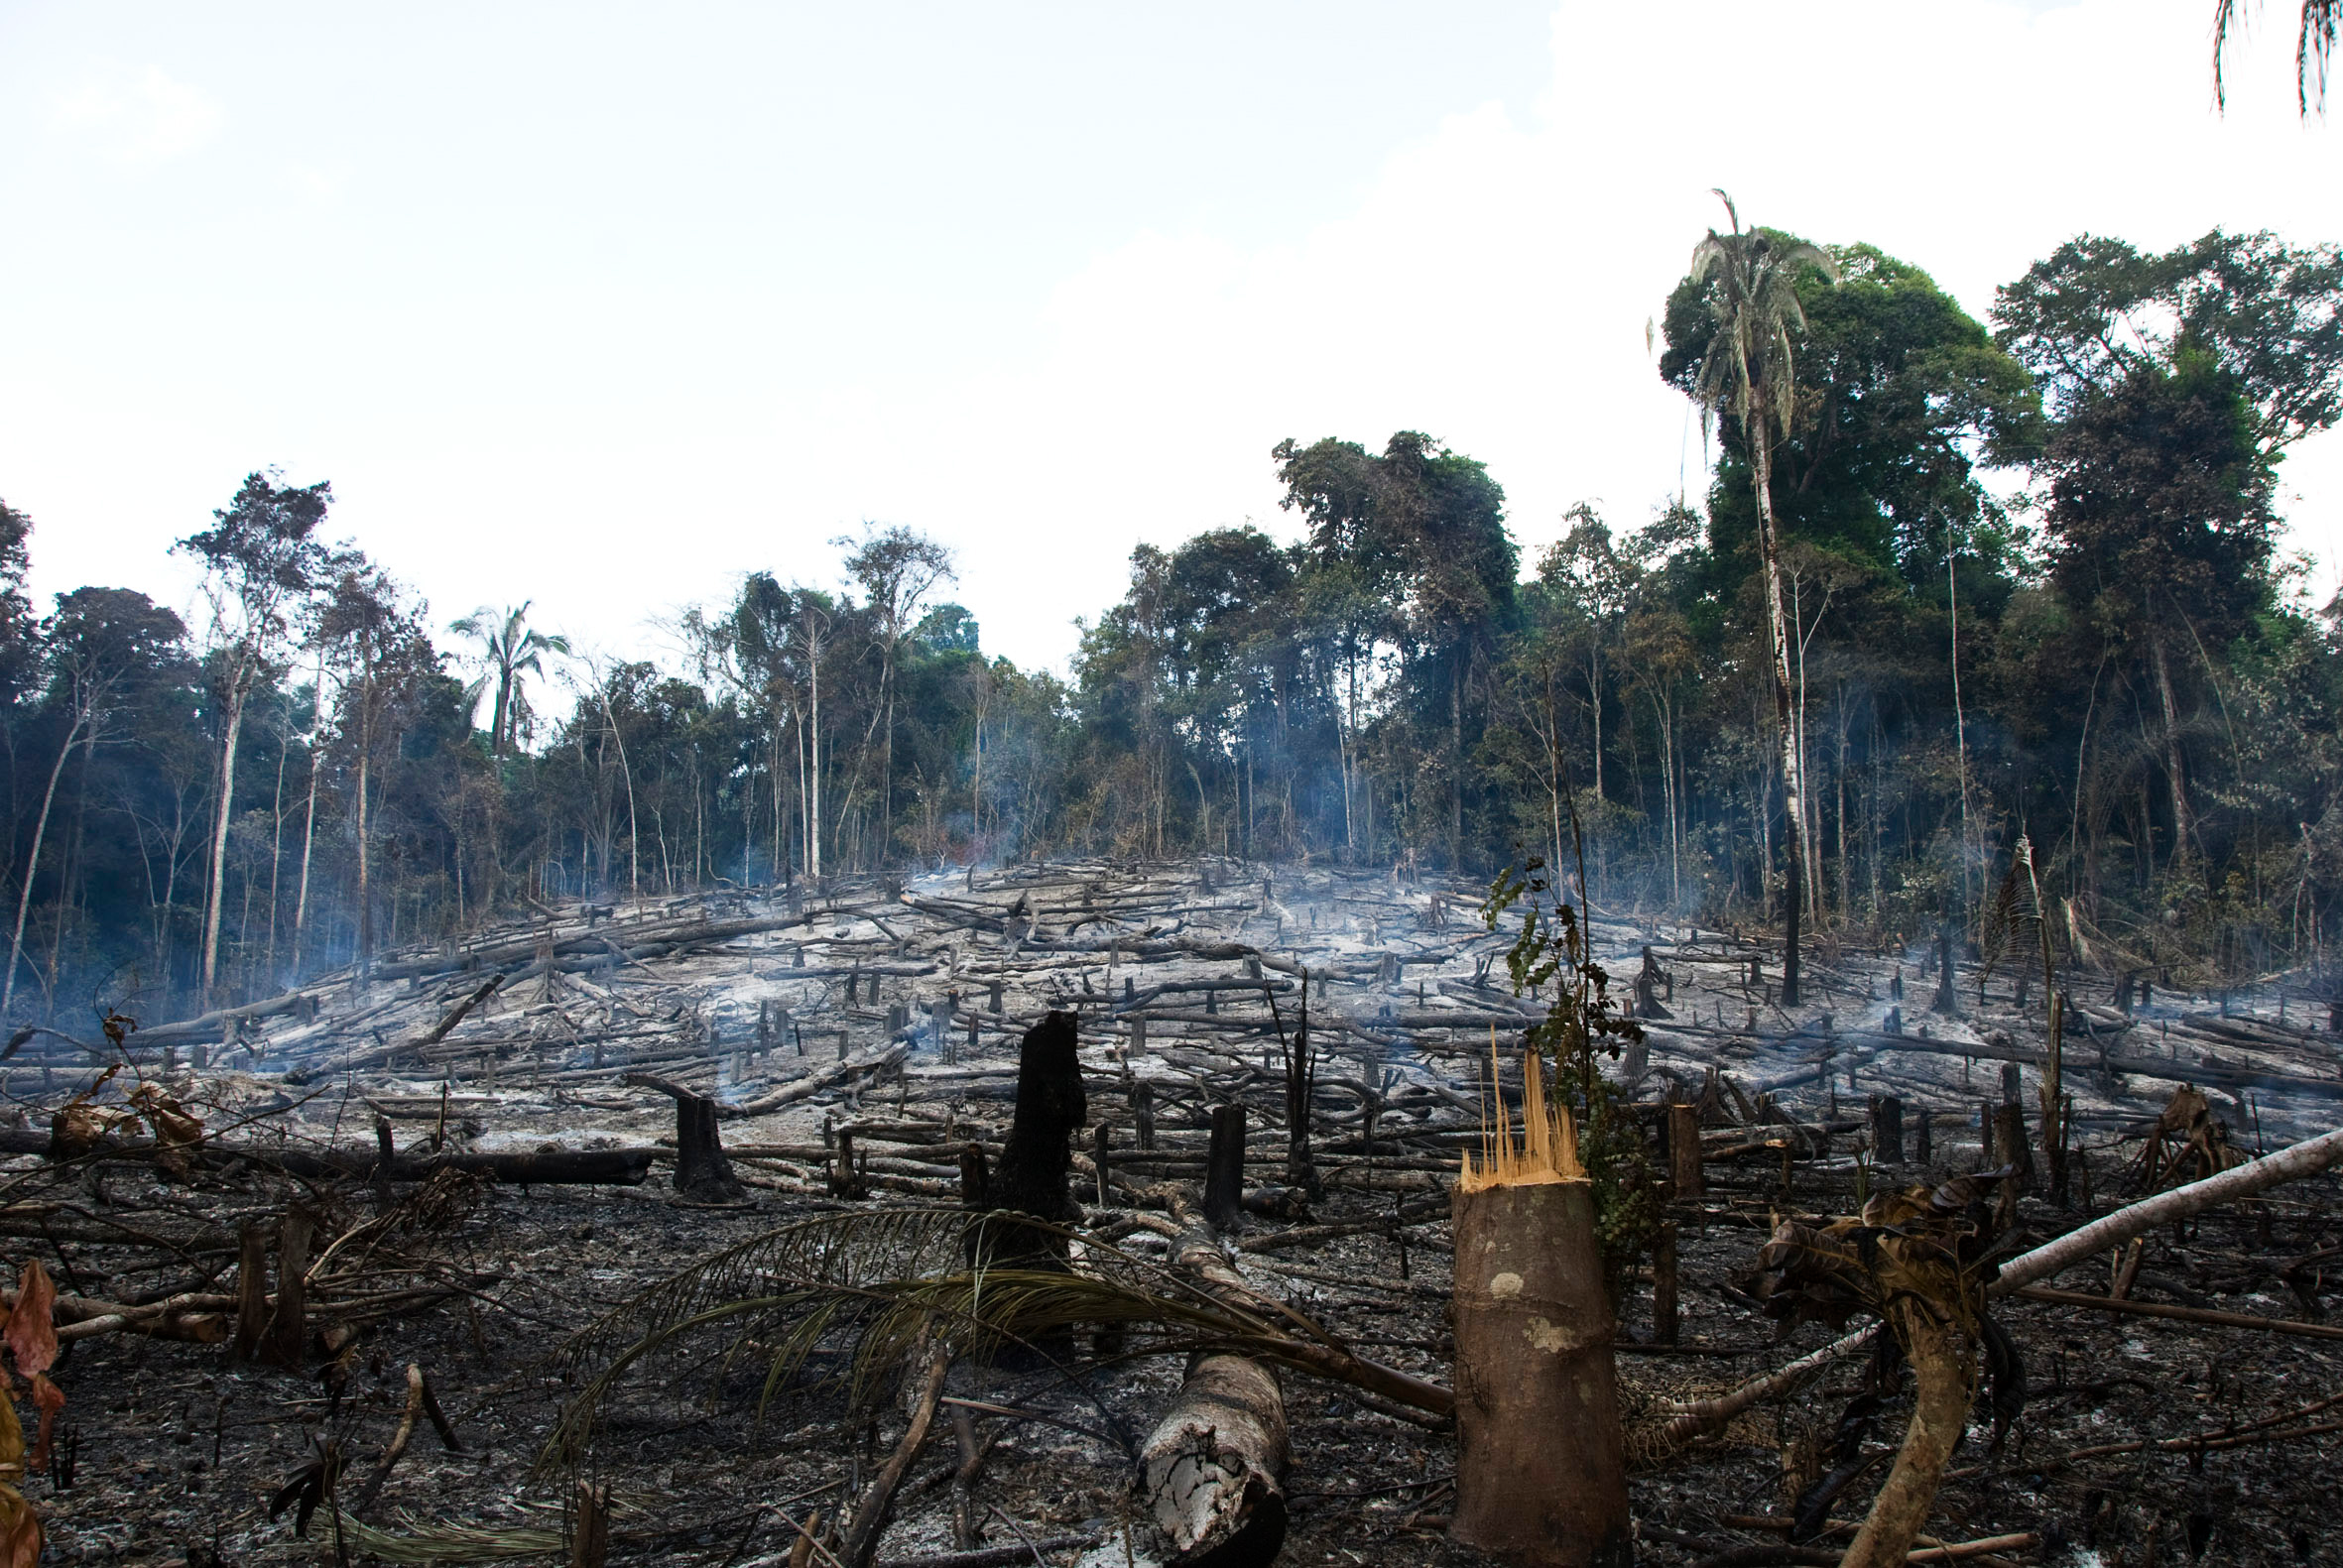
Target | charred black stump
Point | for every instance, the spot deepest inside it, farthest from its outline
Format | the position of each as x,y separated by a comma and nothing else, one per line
1031,1178
702,1173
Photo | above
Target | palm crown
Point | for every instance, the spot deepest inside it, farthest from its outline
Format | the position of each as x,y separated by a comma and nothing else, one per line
508,650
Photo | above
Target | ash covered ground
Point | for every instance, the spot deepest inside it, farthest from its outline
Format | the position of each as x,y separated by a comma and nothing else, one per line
865,1036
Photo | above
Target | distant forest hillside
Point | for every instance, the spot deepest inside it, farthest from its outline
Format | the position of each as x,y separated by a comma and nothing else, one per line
1845,682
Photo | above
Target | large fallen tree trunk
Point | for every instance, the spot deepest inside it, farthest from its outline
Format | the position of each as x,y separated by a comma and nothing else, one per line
553,1167
1213,1469
2292,1164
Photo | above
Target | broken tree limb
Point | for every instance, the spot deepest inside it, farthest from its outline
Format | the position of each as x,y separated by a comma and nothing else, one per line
870,1517
455,1015
2307,1159
1686,1423
193,1316
1213,1469
399,1440
806,1088
2180,1314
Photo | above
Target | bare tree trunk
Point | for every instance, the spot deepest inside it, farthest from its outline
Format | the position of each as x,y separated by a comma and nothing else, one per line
2184,819
1793,785
814,811
365,956
1456,762
275,854
309,826
216,896
1960,728
24,899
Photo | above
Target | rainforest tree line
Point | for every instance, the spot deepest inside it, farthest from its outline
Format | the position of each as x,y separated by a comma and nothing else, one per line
1951,583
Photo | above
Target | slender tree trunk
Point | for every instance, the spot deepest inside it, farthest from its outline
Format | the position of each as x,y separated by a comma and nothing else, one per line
365,956
76,874
309,826
813,813
216,895
2184,819
277,851
1944,1368
1960,727
1794,791
1594,695
504,697
24,899
1456,762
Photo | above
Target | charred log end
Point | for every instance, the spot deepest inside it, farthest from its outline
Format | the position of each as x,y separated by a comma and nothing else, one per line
702,1173
1213,1473
1541,1467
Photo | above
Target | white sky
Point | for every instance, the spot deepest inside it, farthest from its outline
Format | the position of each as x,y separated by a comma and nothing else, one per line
605,306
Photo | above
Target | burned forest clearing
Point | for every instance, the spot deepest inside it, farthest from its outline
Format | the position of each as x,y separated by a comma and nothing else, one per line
644,1232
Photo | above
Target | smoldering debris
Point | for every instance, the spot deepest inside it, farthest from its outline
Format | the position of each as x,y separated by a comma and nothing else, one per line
357,1255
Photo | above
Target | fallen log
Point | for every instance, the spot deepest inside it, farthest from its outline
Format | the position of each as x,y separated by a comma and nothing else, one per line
216,1023
551,1167
2307,1159
1213,1469
667,937
2180,1314
806,1088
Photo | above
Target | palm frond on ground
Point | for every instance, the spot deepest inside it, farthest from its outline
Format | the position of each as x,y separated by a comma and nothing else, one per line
868,1286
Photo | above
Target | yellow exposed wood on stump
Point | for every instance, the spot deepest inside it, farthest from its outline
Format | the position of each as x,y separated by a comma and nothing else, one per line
1541,1469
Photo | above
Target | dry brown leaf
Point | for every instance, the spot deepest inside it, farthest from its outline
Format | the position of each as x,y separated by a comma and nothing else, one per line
20,1530
49,1400
31,1335
173,1127
12,1442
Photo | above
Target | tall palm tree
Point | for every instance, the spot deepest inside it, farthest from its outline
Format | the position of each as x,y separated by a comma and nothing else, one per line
2314,46
1747,372
509,649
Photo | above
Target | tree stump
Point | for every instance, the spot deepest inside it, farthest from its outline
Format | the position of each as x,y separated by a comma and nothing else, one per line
1887,1129
1686,1177
702,1173
288,1329
1664,1312
1031,1178
1224,1169
1541,1471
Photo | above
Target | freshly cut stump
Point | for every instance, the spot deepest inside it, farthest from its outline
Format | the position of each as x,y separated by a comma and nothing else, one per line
1541,1472
1213,1471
